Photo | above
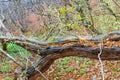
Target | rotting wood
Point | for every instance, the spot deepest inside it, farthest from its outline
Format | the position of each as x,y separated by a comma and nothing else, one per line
36,44
50,54
78,50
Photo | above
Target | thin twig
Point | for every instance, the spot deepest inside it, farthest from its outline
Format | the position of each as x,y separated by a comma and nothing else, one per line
37,69
101,63
13,59
116,3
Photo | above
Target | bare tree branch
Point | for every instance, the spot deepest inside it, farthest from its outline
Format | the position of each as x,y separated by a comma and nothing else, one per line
13,59
78,50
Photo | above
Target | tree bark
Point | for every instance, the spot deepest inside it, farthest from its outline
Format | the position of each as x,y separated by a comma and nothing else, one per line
79,50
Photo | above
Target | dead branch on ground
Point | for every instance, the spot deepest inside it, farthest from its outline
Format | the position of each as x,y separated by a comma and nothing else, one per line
50,54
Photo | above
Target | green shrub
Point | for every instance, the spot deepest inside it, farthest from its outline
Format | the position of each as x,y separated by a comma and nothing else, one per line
8,78
5,68
118,69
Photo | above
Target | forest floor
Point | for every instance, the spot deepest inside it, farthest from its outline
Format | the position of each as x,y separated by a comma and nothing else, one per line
69,68
72,68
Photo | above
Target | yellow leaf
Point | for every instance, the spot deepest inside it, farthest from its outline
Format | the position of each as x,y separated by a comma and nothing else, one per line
63,9
75,25
79,17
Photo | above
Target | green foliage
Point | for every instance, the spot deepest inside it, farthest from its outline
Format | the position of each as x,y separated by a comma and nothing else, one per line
65,61
83,71
106,23
79,59
61,67
69,69
65,69
67,19
65,16
15,51
5,68
8,78
11,47
90,62
118,69
52,38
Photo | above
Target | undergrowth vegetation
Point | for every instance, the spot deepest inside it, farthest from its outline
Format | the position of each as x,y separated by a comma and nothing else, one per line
15,51
63,21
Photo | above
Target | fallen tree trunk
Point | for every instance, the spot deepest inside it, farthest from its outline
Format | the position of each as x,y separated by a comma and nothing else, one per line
49,54
53,53
34,45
